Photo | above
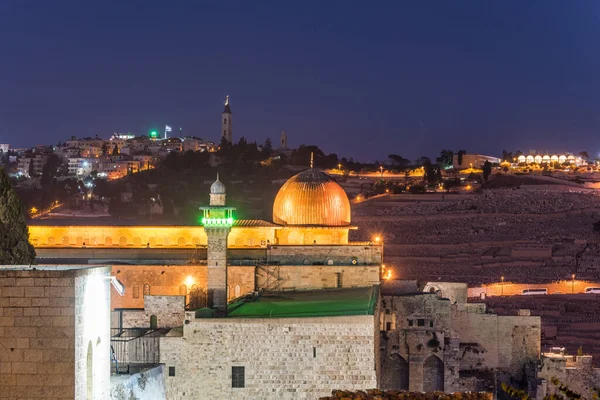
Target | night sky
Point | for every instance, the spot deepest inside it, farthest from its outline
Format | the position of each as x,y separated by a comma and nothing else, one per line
404,77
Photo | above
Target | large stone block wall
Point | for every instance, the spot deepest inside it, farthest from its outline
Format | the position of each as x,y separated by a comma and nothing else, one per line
579,376
92,333
304,277
37,334
509,341
284,358
46,319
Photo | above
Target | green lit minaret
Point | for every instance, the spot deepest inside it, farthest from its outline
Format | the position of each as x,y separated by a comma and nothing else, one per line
217,220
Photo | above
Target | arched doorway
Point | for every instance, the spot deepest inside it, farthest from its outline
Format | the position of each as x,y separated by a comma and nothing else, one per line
395,373
153,322
89,373
433,374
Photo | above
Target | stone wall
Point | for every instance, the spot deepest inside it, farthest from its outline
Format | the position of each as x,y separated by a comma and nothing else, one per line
339,255
174,280
48,317
284,358
305,277
508,341
37,334
146,385
169,312
579,375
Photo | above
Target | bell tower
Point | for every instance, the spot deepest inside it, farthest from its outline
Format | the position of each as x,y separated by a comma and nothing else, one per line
217,220
283,140
226,122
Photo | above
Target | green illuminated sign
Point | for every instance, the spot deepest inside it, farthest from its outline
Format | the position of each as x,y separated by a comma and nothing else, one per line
153,134
217,221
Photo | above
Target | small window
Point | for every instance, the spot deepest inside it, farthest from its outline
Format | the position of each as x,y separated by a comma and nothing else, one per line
225,121
171,371
224,133
411,322
431,324
146,289
314,352
388,326
421,322
388,311
136,291
238,375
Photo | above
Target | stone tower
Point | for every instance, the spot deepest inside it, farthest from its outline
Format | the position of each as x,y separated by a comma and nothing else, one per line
217,220
226,123
283,140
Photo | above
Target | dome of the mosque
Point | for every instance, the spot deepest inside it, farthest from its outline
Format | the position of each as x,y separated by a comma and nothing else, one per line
311,198
217,187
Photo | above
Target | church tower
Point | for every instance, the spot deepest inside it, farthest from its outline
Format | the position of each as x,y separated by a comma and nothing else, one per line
226,122
217,220
283,140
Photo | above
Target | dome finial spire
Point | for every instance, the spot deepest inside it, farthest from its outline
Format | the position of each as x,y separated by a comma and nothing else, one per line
227,100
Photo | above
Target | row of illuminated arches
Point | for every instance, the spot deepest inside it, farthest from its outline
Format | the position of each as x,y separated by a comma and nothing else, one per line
546,159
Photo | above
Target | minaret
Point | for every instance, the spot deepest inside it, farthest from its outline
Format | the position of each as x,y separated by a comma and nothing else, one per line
217,221
226,123
283,140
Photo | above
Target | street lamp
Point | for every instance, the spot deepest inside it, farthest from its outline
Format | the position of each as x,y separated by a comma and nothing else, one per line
502,285
381,169
573,283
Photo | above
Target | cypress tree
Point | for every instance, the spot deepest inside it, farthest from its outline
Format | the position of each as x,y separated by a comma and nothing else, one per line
15,248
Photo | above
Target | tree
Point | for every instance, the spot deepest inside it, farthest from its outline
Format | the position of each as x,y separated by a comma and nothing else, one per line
31,169
15,248
487,170
584,155
50,169
104,149
115,150
267,147
398,160
445,158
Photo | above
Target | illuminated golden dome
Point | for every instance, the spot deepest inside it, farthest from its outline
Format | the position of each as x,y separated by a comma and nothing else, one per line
311,198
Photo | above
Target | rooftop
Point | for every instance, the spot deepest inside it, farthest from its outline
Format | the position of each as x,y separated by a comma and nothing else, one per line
314,303
107,221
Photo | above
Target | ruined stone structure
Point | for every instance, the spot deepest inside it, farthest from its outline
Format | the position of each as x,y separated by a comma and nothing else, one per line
574,371
435,340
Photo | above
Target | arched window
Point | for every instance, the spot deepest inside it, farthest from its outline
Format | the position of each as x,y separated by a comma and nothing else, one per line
108,241
89,373
65,241
433,374
153,322
152,241
122,241
79,241
51,240
136,291
181,242
395,373
146,289
137,241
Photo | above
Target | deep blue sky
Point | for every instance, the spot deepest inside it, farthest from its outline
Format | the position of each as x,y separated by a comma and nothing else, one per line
361,79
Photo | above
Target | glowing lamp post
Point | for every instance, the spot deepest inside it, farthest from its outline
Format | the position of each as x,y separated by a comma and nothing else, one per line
573,283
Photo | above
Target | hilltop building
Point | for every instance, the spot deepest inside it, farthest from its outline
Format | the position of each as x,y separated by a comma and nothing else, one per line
226,125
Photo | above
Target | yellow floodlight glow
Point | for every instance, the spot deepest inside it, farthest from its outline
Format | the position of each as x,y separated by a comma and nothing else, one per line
189,281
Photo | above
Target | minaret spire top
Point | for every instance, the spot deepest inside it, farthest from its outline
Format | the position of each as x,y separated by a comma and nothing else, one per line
227,100
312,164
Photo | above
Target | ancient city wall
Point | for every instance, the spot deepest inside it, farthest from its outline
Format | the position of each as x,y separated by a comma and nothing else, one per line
508,341
579,375
284,358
